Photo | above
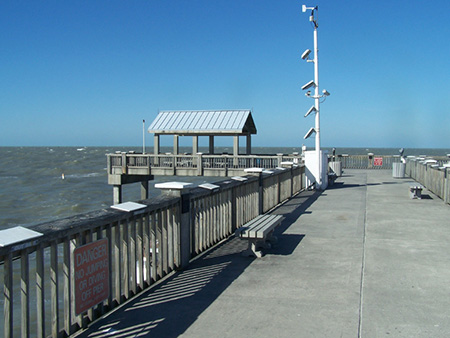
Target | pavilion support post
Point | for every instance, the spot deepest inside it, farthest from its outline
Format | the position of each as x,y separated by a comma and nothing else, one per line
236,151
194,144
156,144
236,145
249,144
211,144
176,144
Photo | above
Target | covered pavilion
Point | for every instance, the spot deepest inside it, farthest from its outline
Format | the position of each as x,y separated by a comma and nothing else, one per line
209,123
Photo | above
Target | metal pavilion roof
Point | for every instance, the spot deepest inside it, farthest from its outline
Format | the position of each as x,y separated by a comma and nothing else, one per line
206,122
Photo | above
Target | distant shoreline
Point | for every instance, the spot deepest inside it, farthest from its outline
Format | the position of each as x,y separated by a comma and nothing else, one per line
258,149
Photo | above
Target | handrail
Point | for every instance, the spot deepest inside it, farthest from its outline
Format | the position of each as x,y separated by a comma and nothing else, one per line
434,176
143,246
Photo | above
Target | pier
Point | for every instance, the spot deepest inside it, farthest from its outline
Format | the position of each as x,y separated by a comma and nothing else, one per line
359,259
125,168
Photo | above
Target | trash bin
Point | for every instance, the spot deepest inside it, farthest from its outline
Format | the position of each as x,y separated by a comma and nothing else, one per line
398,170
336,167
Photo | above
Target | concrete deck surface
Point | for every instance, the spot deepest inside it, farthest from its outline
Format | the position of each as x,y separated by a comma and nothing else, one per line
360,259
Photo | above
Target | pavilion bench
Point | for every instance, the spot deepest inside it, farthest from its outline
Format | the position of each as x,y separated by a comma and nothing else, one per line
415,190
259,233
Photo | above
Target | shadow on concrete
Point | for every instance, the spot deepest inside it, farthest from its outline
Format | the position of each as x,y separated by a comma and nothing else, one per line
286,245
295,207
169,308
342,185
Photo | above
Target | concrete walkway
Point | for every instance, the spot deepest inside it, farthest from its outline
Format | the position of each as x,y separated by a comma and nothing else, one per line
359,259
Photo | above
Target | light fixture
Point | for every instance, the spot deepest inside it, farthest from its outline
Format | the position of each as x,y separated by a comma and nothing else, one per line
306,54
312,109
309,133
309,85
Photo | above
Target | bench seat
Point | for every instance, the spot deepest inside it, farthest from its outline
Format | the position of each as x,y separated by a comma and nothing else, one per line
259,233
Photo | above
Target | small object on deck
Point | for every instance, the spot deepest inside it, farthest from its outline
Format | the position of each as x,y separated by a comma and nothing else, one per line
415,190
259,233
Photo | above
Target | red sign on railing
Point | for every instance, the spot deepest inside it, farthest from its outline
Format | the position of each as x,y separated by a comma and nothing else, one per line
91,262
378,161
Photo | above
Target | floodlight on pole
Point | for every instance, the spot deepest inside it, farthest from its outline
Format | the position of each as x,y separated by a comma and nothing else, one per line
310,110
305,54
309,133
316,96
309,85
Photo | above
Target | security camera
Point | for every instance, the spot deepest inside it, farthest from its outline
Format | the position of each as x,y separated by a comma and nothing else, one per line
304,8
309,133
325,92
308,93
309,85
310,111
306,54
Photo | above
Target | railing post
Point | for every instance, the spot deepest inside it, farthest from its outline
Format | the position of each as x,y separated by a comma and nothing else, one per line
280,159
258,173
289,165
199,164
108,164
117,194
182,191
124,163
144,190
446,186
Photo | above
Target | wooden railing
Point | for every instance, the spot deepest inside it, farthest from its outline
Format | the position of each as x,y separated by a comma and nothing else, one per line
367,161
191,165
434,176
40,277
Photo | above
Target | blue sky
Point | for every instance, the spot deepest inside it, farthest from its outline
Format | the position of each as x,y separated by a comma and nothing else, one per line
88,72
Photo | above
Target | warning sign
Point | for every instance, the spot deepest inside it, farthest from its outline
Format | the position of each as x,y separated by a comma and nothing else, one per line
91,265
378,161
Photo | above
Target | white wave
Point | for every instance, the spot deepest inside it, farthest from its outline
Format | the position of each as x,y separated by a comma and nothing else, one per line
82,175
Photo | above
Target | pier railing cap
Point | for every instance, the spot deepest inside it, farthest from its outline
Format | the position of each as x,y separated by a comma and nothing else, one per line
287,164
174,185
129,206
254,170
16,235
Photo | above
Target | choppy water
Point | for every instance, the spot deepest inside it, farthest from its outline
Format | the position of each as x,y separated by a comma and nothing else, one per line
32,189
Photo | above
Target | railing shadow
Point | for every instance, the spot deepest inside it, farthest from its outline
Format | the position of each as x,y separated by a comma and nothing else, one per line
169,308
292,210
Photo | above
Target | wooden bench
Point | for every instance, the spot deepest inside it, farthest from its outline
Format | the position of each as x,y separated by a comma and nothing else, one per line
415,190
259,233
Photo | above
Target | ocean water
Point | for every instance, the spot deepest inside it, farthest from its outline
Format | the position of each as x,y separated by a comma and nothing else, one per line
32,190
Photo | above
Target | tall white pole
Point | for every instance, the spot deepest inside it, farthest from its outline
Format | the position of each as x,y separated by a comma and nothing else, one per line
317,103
143,136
